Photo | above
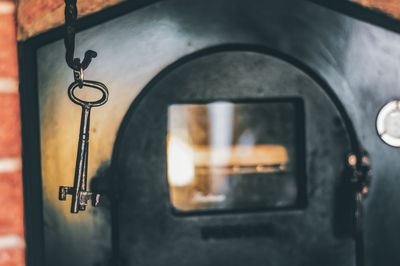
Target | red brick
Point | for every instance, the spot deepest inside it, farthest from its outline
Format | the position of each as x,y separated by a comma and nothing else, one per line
35,9
11,204
391,7
37,16
10,136
12,257
8,49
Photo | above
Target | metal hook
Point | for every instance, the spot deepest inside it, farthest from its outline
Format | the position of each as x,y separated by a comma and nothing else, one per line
71,13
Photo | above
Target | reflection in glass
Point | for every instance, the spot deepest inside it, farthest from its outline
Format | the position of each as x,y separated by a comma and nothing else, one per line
225,156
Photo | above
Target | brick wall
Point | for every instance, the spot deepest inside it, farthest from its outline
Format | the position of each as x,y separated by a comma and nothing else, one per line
35,16
390,7
11,204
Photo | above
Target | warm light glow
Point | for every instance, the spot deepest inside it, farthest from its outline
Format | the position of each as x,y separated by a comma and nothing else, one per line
226,156
180,162
259,157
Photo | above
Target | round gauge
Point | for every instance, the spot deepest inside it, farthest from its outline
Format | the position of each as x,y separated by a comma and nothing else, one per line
388,123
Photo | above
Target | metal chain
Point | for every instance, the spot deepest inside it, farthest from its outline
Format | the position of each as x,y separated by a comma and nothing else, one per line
71,14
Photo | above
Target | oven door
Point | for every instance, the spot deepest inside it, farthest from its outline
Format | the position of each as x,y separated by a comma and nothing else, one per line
233,155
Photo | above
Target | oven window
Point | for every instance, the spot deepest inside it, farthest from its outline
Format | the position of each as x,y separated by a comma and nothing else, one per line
227,156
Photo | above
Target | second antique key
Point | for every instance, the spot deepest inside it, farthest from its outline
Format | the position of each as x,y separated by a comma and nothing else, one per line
79,192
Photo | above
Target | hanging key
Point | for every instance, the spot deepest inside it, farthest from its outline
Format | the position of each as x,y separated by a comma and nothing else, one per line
79,192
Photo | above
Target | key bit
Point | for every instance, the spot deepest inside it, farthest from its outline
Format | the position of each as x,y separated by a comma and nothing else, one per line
62,195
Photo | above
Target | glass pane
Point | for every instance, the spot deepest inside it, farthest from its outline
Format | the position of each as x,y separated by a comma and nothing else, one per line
229,156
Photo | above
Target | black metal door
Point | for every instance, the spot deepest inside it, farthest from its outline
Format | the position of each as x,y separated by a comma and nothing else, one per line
283,211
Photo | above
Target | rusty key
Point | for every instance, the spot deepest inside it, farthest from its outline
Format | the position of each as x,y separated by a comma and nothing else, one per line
80,195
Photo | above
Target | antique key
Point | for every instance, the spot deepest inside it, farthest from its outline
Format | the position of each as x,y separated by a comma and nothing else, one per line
80,195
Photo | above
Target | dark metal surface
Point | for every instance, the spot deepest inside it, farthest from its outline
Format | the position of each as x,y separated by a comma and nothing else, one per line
80,195
358,61
139,232
311,235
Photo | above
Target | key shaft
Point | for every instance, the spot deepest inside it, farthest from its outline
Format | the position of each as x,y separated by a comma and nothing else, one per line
80,180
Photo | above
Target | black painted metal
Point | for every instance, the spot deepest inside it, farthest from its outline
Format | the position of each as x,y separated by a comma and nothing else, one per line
128,245
147,224
71,14
32,183
315,40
